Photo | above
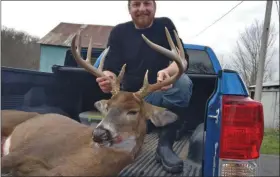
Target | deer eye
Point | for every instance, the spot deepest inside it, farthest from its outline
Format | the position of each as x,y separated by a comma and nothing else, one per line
132,113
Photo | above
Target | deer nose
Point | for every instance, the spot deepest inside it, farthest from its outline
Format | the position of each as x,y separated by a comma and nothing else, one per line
100,135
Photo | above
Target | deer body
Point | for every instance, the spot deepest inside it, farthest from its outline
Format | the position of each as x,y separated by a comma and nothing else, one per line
11,118
55,145
63,153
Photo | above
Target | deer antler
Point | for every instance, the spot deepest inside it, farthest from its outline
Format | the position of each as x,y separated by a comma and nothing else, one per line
115,83
177,55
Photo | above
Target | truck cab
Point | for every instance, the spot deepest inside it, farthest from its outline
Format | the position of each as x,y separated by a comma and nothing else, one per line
222,136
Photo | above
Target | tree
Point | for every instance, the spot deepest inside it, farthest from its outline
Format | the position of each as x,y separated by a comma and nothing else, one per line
247,50
19,49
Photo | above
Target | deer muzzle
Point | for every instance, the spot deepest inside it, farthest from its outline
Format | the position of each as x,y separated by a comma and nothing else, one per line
105,134
101,135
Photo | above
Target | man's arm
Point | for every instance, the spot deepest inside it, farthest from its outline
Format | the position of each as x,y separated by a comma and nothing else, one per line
173,68
113,61
97,62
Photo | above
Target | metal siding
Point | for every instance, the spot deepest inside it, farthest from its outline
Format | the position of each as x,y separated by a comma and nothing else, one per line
270,101
63,34
51,55
277,115
267,84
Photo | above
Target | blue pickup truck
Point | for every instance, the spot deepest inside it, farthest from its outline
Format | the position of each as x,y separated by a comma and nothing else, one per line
223,138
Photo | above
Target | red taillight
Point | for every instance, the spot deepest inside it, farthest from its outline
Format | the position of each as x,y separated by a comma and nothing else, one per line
242,128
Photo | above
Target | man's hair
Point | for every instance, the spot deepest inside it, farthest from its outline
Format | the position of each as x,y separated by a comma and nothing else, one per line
129,1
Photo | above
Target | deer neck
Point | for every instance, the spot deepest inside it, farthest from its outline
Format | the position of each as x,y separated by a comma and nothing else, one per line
130,145
126,146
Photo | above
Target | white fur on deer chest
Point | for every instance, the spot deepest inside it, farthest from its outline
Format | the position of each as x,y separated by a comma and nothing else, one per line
6,146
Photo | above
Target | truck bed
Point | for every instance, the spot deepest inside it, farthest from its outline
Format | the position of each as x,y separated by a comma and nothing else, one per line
20,89
145,164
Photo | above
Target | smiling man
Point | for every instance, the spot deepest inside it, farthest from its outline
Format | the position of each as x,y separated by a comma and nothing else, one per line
127,46
142,13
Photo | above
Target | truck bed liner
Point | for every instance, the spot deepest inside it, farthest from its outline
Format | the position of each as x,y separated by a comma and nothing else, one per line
145,164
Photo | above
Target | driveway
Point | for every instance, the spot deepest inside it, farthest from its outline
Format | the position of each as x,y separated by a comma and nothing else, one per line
269,165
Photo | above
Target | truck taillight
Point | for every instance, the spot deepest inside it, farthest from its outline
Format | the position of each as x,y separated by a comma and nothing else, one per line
242,129
238,168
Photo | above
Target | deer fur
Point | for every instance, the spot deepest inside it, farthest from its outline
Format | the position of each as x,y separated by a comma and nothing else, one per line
52,144
56,145
11,118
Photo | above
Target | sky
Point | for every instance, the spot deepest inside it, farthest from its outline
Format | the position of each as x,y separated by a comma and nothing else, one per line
190,17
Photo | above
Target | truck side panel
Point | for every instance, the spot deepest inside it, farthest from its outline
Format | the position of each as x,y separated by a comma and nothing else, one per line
17,82
229,82
43,92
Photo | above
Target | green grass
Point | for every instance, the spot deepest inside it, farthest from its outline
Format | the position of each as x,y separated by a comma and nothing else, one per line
270,144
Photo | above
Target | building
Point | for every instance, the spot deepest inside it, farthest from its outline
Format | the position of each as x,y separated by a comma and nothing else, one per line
56,43
270,101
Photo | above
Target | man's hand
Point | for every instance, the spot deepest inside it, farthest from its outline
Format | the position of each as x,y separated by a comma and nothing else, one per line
104,82
161,76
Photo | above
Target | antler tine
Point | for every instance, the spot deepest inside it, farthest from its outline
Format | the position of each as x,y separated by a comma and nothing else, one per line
173,55
83,62
91,69
144,90
79,43
117,81
88,59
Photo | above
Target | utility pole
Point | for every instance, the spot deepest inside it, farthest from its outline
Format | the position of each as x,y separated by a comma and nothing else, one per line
262,56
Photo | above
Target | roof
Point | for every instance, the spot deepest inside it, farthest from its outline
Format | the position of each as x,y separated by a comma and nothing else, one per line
63,33
268,84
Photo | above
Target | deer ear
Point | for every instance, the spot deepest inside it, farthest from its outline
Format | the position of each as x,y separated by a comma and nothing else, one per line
101,106
159,116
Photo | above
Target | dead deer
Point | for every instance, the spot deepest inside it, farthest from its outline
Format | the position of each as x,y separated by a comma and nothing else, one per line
11,118
55,145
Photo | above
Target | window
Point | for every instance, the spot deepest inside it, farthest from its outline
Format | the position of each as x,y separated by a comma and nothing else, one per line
199,62
70,61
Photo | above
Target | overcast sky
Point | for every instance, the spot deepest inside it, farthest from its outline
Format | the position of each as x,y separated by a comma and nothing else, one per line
39,17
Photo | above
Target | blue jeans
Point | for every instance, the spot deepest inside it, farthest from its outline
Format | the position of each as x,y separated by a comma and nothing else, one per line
176,97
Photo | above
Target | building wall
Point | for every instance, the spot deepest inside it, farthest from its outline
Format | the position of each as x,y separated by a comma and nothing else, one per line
270,100
51,55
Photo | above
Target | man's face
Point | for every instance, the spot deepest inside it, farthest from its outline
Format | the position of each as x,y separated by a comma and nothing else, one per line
142,12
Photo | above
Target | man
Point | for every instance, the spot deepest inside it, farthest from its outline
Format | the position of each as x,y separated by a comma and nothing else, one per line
127,46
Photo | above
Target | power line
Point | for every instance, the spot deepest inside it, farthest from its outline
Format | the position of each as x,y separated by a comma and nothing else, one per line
219,19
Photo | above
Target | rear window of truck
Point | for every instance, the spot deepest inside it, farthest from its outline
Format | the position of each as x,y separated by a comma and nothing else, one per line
199,62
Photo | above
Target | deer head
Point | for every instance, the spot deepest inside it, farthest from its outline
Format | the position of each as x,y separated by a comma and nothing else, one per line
125,113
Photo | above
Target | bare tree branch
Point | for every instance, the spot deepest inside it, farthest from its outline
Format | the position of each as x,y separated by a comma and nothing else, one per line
246,53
